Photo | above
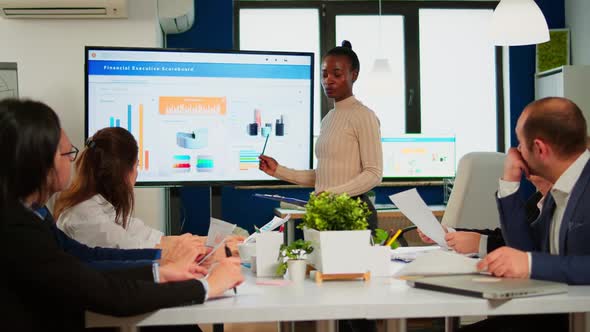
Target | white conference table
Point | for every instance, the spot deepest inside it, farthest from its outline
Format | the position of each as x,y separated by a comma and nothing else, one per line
379,298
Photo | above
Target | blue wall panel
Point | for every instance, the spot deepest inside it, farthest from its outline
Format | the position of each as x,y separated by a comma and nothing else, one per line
213,28
522,65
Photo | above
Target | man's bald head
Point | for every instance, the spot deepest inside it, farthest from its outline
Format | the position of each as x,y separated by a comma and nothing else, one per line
558,122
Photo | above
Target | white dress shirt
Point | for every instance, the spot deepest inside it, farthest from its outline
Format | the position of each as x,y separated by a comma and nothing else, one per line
560,191
92,223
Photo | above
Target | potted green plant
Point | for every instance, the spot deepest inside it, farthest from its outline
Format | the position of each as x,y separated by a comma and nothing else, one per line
336,226
292,258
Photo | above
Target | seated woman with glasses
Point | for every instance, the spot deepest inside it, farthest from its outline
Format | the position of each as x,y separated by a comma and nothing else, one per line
43,287
97,208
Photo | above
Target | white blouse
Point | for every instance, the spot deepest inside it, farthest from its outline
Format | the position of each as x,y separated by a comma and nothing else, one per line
92,223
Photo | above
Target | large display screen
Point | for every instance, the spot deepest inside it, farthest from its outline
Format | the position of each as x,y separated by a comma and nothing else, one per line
418,156
203,116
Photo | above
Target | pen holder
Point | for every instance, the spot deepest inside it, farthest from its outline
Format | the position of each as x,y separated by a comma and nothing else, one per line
267,247
379,261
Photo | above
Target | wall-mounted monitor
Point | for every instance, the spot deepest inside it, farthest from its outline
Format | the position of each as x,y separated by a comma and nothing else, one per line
418,156
201,116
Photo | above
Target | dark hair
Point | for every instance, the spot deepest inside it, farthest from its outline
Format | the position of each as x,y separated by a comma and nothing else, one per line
103,168
29,138
346,50
557,121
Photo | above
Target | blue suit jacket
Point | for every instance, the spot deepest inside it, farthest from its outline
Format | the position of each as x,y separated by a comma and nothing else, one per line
572,265
100,258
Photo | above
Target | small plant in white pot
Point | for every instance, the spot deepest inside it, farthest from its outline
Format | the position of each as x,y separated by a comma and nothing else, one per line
337,226
292,258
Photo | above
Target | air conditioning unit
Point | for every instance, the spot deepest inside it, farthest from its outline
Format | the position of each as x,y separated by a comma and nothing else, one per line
63,8
176,16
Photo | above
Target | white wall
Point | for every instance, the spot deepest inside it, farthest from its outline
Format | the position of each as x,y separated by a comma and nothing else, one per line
576,18
50,58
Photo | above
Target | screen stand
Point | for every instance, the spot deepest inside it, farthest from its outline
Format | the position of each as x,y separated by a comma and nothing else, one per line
172,206
215,208
215,201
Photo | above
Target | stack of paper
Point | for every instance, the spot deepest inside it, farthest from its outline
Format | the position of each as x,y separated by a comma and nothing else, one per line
408,254
439,262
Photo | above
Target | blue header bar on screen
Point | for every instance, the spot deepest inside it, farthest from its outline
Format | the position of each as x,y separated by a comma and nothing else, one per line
418,139
198,69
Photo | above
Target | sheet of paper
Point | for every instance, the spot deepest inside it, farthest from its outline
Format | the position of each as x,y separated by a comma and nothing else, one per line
274,223
412,206
408,254
439,262
211,252
218,230
273,282
269,226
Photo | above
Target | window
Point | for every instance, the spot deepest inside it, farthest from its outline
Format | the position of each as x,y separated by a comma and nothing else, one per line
445,74
288,25
382,91
458,77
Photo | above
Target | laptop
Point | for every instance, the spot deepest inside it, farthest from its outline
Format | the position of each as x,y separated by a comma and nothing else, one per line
488,287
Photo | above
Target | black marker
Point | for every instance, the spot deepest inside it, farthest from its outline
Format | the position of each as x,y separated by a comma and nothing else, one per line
266,141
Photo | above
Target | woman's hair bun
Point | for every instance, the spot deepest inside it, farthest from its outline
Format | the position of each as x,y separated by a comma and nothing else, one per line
347,44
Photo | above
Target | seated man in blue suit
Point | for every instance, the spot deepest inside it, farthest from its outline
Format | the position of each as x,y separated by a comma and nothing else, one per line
552,137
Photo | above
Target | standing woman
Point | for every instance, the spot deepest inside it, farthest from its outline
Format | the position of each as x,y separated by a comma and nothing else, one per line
42,287
348,150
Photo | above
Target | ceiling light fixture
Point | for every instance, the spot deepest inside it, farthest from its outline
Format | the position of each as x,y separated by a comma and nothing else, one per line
518,22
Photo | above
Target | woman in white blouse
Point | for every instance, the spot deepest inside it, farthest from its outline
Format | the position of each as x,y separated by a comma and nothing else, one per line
97,208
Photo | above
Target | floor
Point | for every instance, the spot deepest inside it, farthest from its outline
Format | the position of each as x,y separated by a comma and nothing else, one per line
414,325
250,327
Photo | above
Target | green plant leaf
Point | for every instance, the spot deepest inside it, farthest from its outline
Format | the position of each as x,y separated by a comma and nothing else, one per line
331,212
380,236
296,250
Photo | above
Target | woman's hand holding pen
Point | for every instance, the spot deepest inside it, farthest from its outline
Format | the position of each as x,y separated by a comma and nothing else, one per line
224,275
267,164
232,242
180,261
183,248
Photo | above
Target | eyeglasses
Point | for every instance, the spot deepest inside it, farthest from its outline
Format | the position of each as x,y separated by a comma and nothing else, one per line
72,154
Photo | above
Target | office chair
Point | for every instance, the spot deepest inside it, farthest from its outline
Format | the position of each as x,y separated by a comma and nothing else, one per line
472,202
